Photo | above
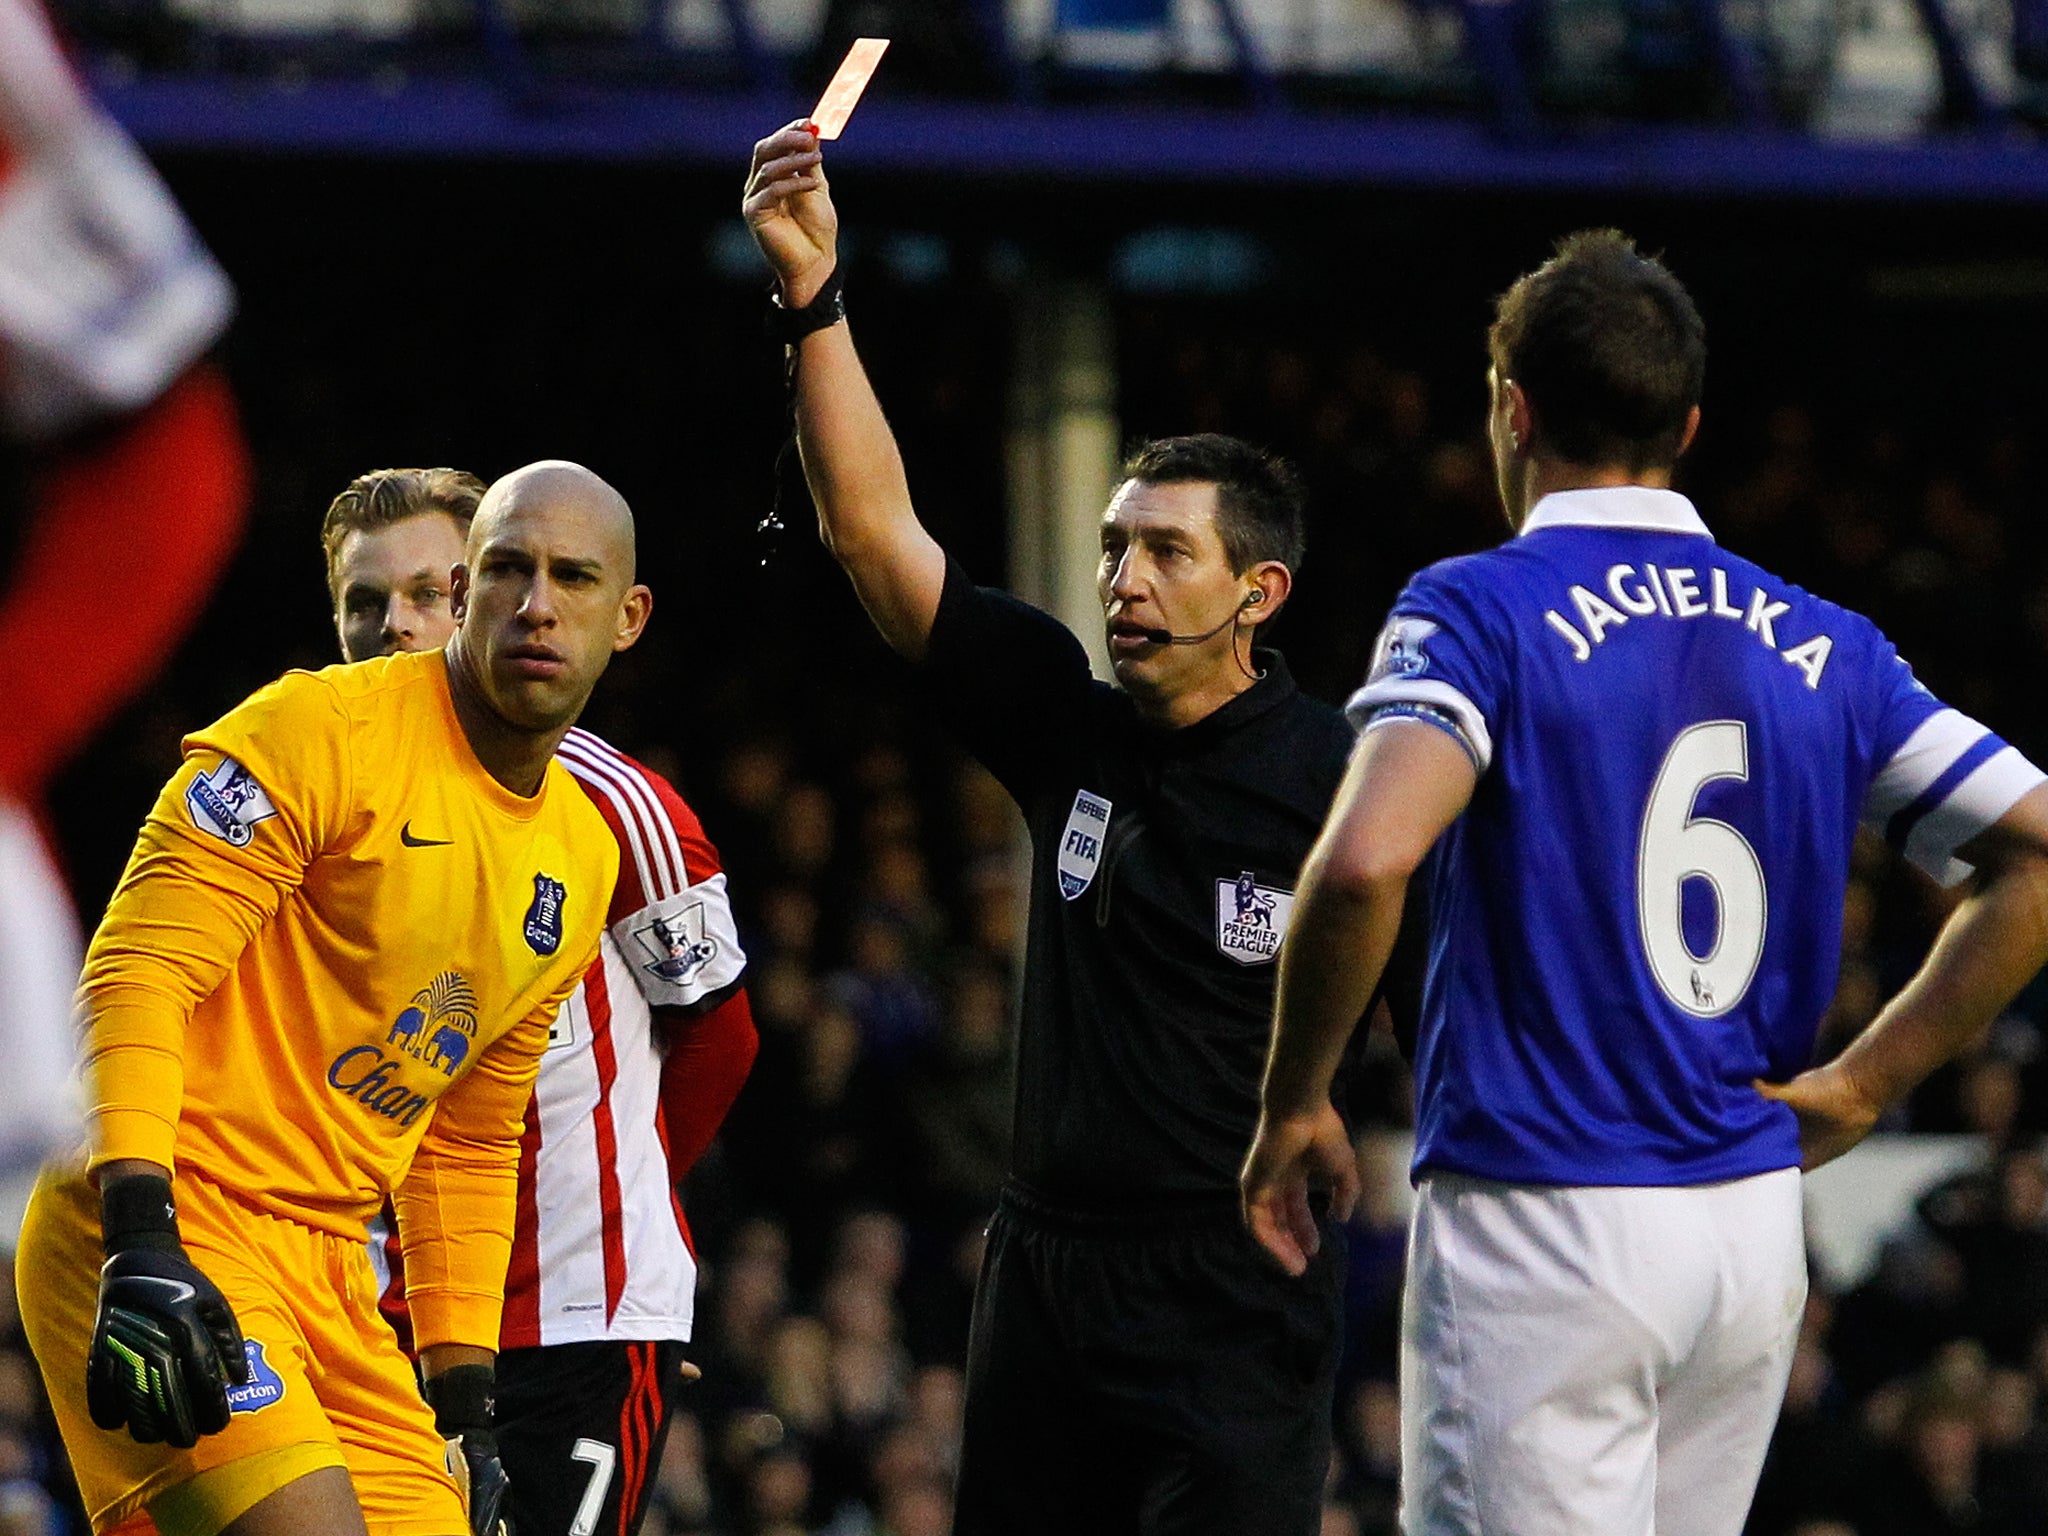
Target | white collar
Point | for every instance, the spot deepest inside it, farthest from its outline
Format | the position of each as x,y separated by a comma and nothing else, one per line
1616,506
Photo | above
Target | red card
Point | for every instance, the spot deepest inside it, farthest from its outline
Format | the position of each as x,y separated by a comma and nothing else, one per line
843,94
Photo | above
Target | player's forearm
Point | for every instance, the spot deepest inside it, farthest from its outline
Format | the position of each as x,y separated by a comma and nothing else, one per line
858,484
457,1222
134,1069
438,1358
708,1059
458,1202
116,1169
138,994
1992,946
1338,943
851,461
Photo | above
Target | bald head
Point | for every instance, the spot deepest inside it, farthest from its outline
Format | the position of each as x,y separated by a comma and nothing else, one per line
578,503
546,594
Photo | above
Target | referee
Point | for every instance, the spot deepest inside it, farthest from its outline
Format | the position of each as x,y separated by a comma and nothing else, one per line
1134,1363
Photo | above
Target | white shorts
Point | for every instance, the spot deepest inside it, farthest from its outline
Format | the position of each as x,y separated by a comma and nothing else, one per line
1595,1361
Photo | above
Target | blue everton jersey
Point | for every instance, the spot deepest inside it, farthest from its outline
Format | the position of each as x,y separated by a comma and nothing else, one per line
1640,911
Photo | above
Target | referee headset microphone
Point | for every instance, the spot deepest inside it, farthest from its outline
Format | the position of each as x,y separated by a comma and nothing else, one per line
1167,637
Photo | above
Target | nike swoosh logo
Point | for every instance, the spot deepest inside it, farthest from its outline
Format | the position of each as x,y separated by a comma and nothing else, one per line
173,1292
405,836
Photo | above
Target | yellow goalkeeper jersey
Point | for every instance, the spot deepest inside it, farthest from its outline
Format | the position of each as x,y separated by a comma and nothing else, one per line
329,971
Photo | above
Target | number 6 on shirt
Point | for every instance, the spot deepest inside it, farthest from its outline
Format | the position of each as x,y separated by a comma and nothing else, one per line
1676,846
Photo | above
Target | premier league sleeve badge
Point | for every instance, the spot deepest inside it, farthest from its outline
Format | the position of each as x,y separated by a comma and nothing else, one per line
227,803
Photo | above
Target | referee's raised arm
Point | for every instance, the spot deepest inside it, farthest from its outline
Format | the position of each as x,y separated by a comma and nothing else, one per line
850,459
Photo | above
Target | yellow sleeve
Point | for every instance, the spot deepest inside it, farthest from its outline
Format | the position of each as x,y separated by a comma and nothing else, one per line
260,794
458,1202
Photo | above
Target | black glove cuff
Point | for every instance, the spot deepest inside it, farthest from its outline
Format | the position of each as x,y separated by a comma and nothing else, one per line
136,1212
463,1398
790,326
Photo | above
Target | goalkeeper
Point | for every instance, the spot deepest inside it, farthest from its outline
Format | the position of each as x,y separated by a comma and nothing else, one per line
328,976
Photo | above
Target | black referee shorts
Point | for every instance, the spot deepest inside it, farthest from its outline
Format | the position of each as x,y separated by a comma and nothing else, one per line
580,1431
1154,1375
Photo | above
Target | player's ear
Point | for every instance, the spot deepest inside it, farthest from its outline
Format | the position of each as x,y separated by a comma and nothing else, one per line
458,592
634,610
1692,430
1521,415
1271,583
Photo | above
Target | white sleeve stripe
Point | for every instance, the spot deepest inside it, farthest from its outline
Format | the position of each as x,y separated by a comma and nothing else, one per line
658,823
1974,804
660,831
1922,759
601,754
658,875
592,770
1433,692
632,841
639,807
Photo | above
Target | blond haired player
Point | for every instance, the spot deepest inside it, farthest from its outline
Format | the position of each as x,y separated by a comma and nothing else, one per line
328,976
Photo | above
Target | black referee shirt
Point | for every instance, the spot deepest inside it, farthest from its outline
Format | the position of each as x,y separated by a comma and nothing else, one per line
1163,866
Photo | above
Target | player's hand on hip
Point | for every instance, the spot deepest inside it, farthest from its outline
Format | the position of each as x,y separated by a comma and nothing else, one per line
165,1344
789,208
1288,1156
1834,1112
464,1400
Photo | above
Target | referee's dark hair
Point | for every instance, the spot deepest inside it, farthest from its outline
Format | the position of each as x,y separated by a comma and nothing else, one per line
1258,497
1609,349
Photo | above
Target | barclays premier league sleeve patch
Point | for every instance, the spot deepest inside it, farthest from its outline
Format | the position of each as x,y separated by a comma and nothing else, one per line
1407,682
685,947
227,803
1401,652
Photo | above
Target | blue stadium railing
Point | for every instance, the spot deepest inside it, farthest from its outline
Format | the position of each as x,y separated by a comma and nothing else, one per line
500,92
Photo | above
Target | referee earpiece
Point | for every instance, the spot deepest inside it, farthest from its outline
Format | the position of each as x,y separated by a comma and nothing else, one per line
1253,598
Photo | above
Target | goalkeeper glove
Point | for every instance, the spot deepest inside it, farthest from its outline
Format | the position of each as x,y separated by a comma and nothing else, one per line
165,1344
463,1398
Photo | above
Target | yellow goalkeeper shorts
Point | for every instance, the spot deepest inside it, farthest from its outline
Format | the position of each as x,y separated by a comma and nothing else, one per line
329,1386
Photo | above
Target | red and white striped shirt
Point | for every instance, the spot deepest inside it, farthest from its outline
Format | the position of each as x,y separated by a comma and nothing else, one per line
601,1249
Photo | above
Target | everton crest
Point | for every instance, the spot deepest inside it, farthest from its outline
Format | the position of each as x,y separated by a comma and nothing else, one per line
544,917
1081,843
264,1385
1251,919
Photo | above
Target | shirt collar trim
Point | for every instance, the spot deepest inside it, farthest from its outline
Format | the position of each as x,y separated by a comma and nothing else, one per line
1617,506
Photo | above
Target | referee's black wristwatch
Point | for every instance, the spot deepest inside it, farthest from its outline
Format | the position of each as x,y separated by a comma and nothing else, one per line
790,326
